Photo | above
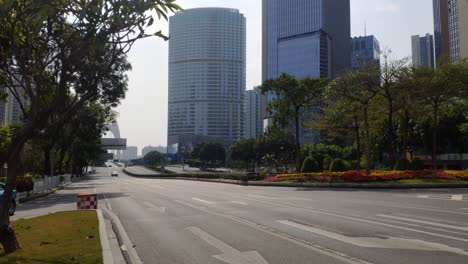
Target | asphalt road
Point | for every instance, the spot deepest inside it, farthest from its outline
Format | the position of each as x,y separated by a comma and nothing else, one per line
174,221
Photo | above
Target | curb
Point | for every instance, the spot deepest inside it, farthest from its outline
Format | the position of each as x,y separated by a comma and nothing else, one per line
127,247
106,250
314,185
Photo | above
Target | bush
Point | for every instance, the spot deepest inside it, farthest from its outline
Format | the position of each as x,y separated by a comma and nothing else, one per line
310,165
339,165
402,164
417,164
327,162
62,178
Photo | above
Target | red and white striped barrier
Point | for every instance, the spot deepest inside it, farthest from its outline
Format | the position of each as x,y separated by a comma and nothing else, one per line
87,201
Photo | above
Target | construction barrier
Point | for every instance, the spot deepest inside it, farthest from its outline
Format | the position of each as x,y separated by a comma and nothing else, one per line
87,201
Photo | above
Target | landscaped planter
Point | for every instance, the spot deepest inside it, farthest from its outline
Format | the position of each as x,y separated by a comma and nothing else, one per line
376,176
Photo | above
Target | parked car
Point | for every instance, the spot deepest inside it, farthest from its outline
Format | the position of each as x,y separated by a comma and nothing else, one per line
114,174
13,198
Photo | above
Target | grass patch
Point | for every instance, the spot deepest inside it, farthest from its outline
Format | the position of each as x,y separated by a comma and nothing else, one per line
68,237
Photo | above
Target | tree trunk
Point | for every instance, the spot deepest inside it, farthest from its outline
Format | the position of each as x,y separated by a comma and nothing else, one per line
7,234
368,141
434,137
405,134
358,143
298,141
391,137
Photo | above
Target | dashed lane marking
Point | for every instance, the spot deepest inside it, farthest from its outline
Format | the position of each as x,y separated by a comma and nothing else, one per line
203,201
425,222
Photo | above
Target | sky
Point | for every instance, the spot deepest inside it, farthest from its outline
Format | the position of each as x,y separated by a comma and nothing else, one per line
143,114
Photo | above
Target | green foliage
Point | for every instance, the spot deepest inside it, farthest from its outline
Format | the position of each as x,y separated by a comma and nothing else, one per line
324,154
417,164
402,164
339,165
154,158
277,148
210,153
244,151
310,165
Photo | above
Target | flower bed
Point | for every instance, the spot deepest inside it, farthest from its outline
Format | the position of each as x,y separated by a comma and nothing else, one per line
376,176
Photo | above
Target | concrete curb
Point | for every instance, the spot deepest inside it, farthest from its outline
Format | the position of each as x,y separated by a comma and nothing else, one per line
106,250
316,185
127,248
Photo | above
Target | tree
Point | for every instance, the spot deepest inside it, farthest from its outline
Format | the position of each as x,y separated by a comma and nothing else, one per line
154,158
277,148
244,151
212,153
57,49
294,100
358,87
437,89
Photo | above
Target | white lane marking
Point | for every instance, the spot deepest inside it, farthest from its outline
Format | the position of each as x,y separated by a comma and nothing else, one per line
360,220
230,255
457,197
161,209
463,208
372,242
202,201
237,202
405,206
297,241
422,196
416,225
425,222
261,196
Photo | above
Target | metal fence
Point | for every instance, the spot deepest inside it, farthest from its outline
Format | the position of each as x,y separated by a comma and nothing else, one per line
46,184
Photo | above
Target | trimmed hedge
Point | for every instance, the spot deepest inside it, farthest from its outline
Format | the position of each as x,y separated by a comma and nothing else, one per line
310,165
23,184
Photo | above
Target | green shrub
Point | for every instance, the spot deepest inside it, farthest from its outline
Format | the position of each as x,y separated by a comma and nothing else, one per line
310,165
62,178
402,164
339,165
327,160
417,164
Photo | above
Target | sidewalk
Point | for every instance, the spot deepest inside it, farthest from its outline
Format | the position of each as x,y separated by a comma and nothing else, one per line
65,199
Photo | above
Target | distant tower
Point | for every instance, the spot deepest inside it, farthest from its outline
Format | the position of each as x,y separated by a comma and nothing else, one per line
364,50
207,64
423,51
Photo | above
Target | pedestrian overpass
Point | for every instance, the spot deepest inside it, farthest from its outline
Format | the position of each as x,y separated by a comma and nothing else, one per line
115,143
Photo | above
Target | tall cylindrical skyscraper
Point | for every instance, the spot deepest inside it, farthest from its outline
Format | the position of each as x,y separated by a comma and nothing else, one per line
207,64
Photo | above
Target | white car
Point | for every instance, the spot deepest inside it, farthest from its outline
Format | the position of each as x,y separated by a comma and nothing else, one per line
114,174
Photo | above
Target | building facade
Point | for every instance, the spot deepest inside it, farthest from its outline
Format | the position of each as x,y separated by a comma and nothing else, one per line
207,64
130,153
364,50
305,38
441,29
451,29
422,49
253,122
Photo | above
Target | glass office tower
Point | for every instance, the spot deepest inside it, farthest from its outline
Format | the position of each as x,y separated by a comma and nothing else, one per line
365,50
207,62
305,38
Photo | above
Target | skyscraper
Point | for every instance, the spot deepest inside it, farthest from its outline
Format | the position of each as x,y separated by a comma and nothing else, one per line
253,123
451,29
423,51
305,38
207,64
364,50
441,30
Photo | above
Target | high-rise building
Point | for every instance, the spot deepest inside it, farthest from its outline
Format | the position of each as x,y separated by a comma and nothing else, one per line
305,38
253,123
364,50
458,29
451,29
423,51
207,64
441,29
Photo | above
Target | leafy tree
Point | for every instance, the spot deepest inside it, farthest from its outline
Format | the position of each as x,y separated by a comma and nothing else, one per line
154,158
358,88
210,153
277,148
57,49
244,151
438,89
295,99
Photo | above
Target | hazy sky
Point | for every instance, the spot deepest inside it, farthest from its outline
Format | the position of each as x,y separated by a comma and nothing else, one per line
143,114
